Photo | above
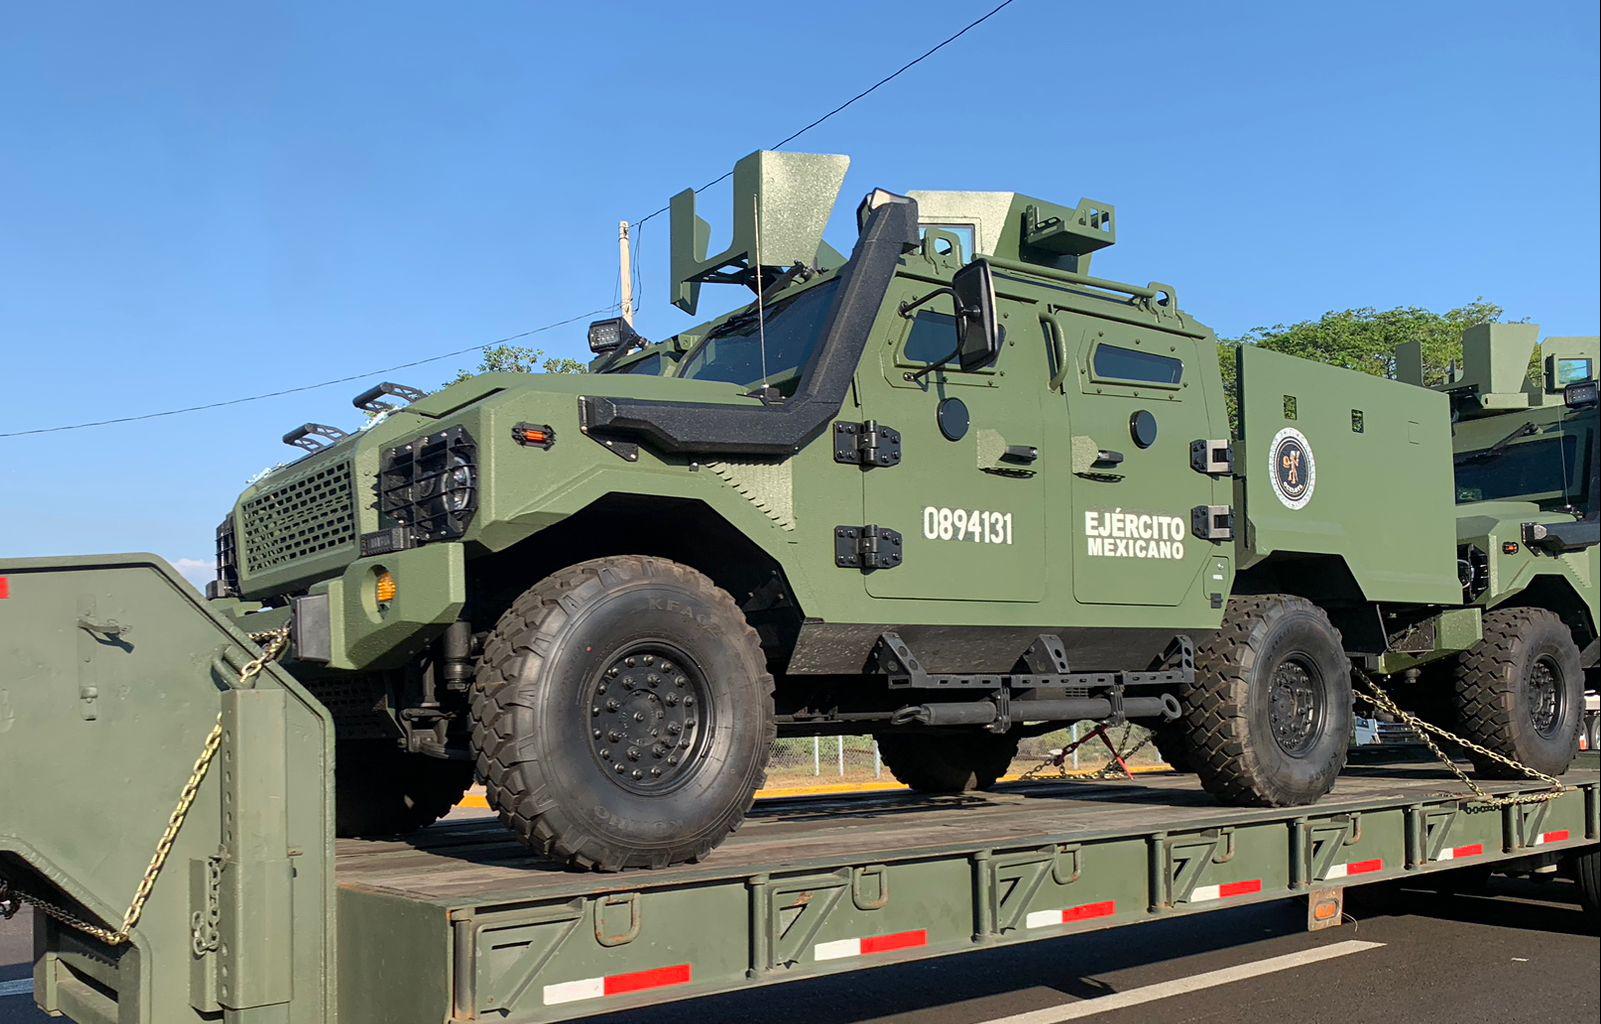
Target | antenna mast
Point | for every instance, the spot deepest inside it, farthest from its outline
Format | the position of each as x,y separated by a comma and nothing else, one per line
625,259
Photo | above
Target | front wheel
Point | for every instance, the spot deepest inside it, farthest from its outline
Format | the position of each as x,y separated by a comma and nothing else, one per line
1269,709
623,714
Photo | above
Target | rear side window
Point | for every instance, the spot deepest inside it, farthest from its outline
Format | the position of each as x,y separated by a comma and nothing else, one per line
1113,362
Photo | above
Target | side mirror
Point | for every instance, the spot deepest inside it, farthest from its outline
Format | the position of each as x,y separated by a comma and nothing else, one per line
611,335
978,332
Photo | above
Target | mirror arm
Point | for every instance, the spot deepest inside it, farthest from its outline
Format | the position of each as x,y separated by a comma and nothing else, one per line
907,307
918,374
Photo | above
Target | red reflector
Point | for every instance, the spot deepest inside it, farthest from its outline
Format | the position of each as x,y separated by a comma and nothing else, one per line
1089,911
1362,867
1550,837
1240,888
1476,850
5,587
890,943
661,977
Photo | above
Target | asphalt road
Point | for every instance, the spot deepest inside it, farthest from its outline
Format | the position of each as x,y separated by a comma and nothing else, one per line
1521,952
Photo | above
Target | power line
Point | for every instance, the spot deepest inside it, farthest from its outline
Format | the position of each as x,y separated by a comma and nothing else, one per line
311,387
560,323
861,95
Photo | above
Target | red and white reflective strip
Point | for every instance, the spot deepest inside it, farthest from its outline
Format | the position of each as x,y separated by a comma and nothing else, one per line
839,949
1085,912
1560,836
616,984
1207,893
1356,867
1461,852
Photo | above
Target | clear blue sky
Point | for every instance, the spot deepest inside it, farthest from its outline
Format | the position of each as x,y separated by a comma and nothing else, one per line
201,201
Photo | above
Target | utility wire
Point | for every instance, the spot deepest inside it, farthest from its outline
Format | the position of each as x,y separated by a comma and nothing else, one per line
780,144
560,323
311,387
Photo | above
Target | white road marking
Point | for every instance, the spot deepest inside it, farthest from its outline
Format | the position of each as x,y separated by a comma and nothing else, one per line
20,987
1180,986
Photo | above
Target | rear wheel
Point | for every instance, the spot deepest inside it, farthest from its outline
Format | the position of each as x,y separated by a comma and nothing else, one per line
623,714
1269,710
1520,692
1586,871
380,790
947,762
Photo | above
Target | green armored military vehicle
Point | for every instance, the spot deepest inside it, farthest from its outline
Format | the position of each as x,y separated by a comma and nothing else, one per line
1525,444
950,489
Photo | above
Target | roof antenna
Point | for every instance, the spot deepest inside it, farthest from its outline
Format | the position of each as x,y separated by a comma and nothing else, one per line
761,312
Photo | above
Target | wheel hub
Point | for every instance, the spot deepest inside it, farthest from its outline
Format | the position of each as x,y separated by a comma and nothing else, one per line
1545,687
1296,710
647,714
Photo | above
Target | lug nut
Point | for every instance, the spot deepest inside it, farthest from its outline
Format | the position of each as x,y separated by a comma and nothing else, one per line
639,716
674,728
594,711
637,774
612,705
633,753
653,679
614,735
672,699
649,659
673,759
620,768
680,681
605,755
629,662
597,734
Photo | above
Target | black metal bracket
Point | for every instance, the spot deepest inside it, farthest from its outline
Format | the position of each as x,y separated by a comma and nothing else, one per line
305,437
371,399
866,547
867,444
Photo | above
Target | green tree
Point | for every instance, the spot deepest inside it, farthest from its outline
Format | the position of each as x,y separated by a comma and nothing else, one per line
1366,339
519,359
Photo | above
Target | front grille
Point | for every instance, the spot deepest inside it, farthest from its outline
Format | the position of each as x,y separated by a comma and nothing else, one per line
307,516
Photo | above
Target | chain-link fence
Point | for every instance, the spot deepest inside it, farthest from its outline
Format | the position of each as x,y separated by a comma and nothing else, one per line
829,760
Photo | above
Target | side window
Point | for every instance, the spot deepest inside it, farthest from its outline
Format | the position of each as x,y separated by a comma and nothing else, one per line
932,338
1132,366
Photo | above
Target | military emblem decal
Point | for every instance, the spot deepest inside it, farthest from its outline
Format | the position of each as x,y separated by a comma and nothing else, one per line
1291,468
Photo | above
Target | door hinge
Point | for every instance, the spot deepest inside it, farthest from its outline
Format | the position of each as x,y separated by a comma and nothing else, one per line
1214,458
867,444
866,547
1212,522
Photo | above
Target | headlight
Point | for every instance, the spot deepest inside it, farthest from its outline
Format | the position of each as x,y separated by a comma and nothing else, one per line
430,485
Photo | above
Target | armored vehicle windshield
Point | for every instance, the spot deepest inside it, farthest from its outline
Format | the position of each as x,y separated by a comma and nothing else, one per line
790,330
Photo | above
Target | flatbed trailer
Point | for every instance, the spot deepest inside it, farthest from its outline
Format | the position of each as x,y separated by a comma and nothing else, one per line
116,673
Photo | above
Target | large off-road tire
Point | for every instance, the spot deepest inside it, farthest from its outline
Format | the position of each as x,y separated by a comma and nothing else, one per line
1172,743
1520,692
380,790
947,762
1585,869
1269,710
623,714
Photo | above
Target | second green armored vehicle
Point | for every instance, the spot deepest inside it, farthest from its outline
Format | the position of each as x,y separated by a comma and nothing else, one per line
951,490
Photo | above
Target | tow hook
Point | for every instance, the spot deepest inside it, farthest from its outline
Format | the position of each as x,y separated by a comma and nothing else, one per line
9,904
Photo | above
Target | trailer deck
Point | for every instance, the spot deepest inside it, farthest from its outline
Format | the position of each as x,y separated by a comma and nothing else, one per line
813,886
253,914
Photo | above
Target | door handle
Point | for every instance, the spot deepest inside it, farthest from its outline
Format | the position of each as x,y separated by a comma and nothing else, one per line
1056,337
1023,453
